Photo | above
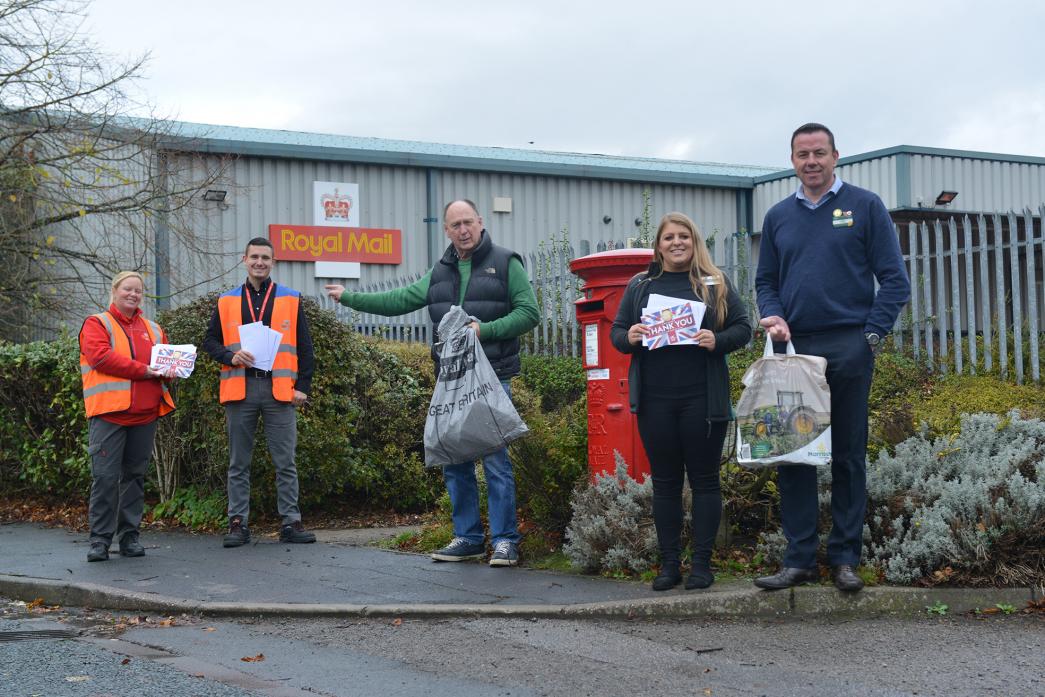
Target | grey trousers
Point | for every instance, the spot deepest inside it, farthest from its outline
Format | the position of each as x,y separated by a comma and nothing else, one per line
281,432
119,458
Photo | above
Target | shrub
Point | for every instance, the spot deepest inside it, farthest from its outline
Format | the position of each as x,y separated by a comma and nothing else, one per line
193,507
969,506
612,526
951,396
899,384
359,436
966,507
559,380
550,460
43,429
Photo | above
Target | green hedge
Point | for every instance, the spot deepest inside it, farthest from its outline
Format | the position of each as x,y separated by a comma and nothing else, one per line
43,430
359,437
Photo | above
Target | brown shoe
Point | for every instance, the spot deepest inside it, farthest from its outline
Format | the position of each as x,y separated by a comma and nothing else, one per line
295,533
238,534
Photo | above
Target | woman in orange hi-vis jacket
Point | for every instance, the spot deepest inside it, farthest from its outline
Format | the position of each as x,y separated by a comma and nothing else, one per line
123,397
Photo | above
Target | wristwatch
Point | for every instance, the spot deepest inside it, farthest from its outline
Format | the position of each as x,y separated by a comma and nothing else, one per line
874,340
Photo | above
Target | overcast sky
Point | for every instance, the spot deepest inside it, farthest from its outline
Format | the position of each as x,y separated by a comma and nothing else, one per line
706,81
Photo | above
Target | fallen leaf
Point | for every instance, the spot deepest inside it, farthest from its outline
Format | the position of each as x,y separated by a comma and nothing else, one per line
253,659
707,691
397,621
77,678
125,661
34,604
209,629
169,622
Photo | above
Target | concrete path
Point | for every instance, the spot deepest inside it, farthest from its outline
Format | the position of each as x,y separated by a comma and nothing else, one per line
337,576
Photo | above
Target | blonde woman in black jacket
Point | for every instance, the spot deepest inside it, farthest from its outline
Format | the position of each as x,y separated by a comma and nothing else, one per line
681,393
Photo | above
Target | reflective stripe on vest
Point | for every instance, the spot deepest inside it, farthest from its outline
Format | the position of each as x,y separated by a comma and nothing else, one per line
233,383
108,394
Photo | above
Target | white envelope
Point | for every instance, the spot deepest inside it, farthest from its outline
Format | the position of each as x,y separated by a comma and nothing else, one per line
262,342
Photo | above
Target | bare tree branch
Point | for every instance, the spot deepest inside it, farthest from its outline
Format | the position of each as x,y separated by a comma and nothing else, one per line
85,186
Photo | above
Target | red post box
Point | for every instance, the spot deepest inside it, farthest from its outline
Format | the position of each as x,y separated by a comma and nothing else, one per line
611,425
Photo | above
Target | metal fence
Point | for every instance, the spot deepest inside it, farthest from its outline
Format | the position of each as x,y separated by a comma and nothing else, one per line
556,289
976,294
977,299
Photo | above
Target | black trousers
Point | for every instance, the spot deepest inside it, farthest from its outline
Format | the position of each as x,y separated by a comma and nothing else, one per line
680,442
850,366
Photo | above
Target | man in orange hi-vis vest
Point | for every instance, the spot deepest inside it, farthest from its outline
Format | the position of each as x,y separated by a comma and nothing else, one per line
248,392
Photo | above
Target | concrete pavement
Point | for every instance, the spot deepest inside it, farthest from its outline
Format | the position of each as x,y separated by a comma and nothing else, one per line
339,576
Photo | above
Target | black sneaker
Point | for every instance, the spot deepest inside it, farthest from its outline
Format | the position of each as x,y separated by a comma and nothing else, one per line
130,547
238,534
295,533
460,549
505,553
99,552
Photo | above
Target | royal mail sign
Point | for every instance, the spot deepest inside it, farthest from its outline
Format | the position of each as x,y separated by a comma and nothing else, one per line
323,243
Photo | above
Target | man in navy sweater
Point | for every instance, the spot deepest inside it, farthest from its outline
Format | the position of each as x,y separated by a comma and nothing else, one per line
821,251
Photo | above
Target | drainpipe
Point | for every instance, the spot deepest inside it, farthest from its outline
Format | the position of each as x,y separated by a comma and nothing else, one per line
162,237
431,218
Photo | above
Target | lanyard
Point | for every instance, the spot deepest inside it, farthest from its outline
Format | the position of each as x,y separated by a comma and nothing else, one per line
264,302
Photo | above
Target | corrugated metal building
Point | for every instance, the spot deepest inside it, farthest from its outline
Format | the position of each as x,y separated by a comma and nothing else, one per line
595,198
909,179
404,185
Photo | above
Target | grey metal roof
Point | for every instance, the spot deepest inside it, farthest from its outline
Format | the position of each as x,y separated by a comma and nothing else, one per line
294,144
913,150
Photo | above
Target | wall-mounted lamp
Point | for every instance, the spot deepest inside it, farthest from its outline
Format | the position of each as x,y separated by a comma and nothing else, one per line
607,219
215,195
638,222
946,197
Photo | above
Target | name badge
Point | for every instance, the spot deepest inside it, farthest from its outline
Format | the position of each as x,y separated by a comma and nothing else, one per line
840,218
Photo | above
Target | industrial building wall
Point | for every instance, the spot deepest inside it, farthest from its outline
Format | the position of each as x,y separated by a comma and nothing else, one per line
268,190
877,175
543,206
914,180
982,185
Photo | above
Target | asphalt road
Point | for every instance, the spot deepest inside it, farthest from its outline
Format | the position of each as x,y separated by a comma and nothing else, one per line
953,656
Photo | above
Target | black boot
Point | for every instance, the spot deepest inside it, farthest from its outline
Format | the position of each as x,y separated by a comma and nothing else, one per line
668,578
700,576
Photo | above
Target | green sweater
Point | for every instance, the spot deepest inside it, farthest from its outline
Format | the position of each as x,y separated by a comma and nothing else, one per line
399,301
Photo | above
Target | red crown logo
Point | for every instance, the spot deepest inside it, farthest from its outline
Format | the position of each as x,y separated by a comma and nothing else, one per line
336,206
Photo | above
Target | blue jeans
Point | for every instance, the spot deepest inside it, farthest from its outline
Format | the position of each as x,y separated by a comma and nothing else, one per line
500,495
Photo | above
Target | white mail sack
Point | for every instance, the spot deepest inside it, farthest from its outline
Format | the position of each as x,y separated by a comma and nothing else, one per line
784,412
470,414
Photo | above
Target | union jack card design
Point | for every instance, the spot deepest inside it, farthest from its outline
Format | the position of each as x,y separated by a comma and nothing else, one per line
671,326
181,356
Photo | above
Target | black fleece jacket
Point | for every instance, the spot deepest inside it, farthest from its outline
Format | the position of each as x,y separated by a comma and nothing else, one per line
735,333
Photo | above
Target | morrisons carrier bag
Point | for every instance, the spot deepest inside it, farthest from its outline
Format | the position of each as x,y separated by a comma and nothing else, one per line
784,413
470,414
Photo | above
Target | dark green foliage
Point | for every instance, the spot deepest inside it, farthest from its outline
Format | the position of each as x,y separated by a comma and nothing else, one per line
359,436
899,384
551,460
193,507
738,362
559,380
43,430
